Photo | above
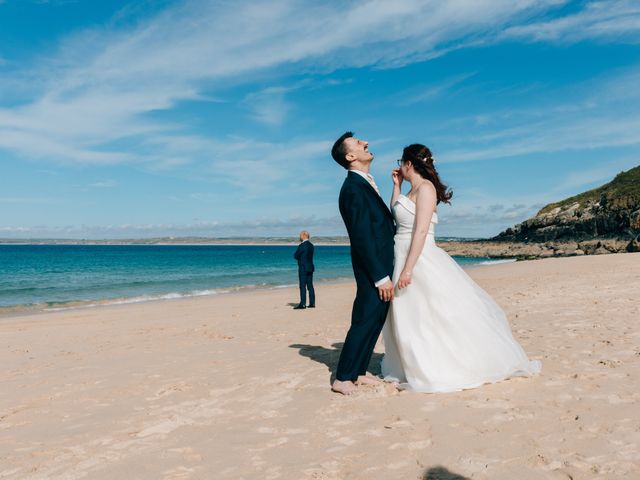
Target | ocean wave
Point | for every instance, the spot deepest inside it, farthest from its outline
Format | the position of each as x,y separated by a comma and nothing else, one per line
56,306
149,298
128,300
497,261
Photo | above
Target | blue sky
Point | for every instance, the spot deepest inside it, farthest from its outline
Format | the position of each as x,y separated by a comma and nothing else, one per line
215,118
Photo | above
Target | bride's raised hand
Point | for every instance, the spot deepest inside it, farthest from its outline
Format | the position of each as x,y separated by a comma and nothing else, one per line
404,280
396,176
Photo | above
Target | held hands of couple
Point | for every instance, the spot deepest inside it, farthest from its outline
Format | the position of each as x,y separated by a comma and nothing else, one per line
404,280
385,291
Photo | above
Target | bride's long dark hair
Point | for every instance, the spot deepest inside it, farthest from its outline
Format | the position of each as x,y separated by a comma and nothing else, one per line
422,160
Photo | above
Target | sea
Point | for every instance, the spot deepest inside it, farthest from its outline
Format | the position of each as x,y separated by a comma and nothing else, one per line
52,277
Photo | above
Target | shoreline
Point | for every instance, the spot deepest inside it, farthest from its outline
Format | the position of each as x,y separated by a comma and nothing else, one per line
44,308
61,305
488,251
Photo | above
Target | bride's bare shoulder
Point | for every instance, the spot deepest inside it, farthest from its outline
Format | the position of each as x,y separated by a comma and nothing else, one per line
427,189
426,196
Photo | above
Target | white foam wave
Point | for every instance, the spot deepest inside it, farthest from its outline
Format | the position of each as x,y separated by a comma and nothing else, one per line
498,261
176,295
140,299
289,285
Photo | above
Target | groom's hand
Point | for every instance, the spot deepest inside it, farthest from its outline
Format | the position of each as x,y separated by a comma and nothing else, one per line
386,291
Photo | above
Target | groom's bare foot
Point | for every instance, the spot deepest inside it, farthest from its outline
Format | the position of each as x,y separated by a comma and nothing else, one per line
345,388
368,379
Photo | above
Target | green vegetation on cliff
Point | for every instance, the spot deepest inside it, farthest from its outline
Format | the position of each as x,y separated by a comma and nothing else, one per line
622,192
611,211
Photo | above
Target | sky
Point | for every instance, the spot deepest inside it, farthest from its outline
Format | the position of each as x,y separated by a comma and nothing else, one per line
123,119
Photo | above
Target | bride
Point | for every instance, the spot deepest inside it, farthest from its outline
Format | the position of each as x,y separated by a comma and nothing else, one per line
443,332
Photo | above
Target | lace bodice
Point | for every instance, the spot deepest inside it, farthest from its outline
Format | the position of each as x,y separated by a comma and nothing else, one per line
404,211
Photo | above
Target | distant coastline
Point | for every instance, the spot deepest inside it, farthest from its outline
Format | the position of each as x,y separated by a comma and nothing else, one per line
225,241
455,246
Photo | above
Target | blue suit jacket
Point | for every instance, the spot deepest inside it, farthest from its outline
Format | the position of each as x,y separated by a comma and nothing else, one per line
371,229
304,256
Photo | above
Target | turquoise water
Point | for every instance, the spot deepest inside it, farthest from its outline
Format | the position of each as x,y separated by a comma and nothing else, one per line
57,275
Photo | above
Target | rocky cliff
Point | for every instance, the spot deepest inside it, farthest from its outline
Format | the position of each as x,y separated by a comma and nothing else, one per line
608,213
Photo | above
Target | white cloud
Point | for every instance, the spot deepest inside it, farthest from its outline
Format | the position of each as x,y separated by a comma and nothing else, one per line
23,200
93,99
262,227
269,106
553,136
600,113
603,19
483,221
429,92
254,166
104,184
96,89
595,177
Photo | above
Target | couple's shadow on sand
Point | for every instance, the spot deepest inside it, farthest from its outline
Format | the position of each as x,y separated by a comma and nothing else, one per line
441,473
330,356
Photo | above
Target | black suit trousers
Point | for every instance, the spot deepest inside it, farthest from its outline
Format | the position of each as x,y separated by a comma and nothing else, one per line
305,280
367,319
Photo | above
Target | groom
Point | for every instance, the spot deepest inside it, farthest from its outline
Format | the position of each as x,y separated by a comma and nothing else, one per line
370,226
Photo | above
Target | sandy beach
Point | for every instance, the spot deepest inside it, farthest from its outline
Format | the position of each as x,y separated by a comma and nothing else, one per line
237,387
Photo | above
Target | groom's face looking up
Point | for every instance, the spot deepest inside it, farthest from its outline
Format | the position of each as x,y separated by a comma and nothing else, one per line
351,152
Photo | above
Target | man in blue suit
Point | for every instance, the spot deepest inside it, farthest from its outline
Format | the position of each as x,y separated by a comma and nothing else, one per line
304,256
371,229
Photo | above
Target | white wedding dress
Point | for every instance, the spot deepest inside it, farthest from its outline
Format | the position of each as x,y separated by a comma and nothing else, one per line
443,332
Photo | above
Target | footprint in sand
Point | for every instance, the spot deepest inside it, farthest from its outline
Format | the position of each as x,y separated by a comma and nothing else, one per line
411,446
399,465
374,432
430,407
187,454
346,441
169,389
610,363
276,442
286,431
273,473
398,423
178,473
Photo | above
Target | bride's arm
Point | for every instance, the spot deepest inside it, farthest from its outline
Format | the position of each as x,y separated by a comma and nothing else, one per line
426,200
397,186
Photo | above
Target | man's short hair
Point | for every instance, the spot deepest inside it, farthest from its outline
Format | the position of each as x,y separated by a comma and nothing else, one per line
339,150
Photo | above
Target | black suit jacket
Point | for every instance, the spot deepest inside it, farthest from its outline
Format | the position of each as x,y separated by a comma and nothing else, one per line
371,229
304,256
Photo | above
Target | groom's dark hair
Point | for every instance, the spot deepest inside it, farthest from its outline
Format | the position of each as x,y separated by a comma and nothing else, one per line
339,151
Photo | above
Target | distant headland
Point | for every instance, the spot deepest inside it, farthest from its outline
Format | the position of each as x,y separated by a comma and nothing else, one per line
599,221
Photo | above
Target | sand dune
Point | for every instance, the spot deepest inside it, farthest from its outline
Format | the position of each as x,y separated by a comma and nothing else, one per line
237,387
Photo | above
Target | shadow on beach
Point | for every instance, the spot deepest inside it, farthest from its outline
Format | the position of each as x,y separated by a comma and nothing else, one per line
441,473
330,356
